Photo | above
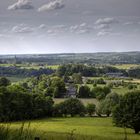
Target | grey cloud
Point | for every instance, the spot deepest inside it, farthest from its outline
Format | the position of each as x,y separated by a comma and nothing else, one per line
53,5
21,4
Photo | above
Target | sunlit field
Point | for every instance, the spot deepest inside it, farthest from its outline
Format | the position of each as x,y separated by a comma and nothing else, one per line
76,128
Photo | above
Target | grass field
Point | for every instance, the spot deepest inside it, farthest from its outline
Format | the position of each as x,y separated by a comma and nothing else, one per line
15,79
83,129
30,66
125,66
84,101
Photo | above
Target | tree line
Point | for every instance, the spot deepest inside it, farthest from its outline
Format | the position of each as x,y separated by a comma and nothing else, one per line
16,71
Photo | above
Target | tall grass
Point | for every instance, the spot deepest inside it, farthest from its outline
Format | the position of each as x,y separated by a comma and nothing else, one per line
22,133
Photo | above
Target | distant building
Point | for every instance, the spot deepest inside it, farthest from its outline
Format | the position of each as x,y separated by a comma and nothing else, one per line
114,74
71,91
85,79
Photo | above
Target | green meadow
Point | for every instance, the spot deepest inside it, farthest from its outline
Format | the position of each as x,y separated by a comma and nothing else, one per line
86,128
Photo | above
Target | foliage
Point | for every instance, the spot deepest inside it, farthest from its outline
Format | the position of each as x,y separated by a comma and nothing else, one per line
71,106
101,92
77,78
132,86
134,72
16,103
90,108
84,92
127,112
4,81
16,71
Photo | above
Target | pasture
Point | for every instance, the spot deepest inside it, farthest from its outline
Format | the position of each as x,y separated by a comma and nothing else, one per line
86,128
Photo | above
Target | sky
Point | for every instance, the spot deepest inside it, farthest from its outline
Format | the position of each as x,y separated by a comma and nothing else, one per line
69,26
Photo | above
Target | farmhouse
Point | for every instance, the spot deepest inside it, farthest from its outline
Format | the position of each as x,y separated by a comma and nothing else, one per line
71,91
114,74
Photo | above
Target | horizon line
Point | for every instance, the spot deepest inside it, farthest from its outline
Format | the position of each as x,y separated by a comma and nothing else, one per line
69,53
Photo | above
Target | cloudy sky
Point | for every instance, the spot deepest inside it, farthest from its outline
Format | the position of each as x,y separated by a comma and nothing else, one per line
62,26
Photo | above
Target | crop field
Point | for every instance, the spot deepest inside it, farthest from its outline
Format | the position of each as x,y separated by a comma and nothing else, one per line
88,128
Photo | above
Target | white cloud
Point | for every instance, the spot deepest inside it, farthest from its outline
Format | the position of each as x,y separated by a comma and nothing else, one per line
22,29
103,33
53,5
128,23
106,21
81,28
108,33
83,31
3,36
42,26
21,4
102,26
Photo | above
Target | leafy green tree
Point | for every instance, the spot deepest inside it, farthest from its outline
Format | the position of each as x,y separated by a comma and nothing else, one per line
74,107
77,78
17,103
132,86
84,92
90,108
60,110
4,81
101,92
42,106
107,105
127,112
58,86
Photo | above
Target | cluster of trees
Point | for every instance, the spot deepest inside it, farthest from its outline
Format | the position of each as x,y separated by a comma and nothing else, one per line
89,71
52,86
134,72
86,70
96,81
96,92
16,103
69,70
73,107
15,71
